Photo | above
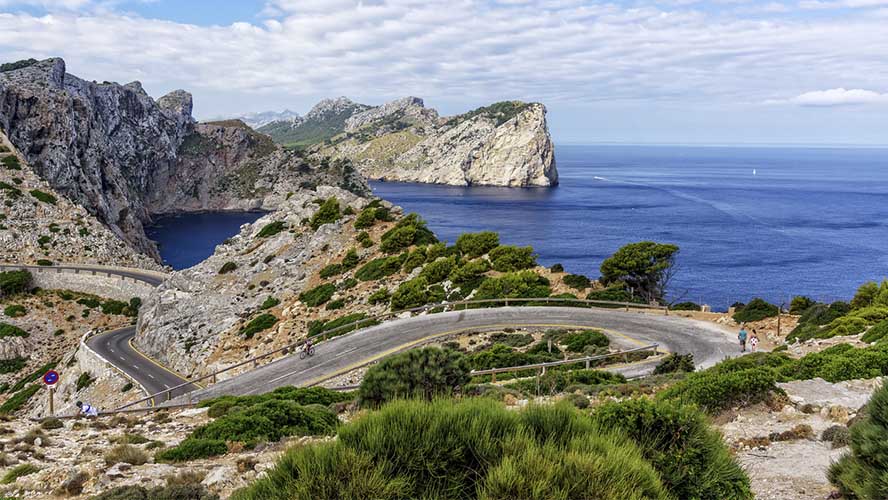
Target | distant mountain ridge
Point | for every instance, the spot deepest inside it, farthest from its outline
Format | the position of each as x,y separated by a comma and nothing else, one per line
504,144
262,118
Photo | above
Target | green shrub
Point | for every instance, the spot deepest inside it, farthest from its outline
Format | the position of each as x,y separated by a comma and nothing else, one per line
692,459
512,339
470,274
191,491
118,307
416,258
507,258
44,262
556,381
31,377
380,268
269,420
271,229
84,381
11,162
17,472
331,270
713,391
335,304
756,310
327,214
127,387
317,295
364,239
13,282
51,423
379,296
259,323
556,268
15,311
467,449
865,295
7,330
269,302
577,281
523,284
411,294
300,395
12,365
614,294
410,230
800,304
351,259
424,373
474,245
577,342
227,268
837,435
192,449
861,473
675,363
686,306
44,197
18,399
437,271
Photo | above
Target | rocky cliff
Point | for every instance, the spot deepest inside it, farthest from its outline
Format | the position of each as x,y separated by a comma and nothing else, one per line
123,156
504,144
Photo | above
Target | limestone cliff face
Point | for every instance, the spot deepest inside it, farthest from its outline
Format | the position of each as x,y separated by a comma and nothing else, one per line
123,156
506,144
39,223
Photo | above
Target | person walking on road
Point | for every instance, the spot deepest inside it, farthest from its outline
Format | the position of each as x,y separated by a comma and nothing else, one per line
742,338
753,341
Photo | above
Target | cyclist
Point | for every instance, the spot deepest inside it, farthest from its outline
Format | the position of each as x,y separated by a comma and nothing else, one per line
306,348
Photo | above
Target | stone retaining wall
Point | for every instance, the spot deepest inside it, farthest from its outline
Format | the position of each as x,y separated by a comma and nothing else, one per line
101,284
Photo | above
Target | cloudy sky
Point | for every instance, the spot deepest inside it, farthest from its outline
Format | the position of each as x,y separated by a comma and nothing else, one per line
646,71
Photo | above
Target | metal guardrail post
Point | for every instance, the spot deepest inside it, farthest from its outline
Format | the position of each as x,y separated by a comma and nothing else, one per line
493,378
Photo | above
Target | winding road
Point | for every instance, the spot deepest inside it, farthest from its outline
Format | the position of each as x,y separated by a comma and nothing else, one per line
708,342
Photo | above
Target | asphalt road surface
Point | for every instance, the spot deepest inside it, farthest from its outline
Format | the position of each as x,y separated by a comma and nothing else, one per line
709,343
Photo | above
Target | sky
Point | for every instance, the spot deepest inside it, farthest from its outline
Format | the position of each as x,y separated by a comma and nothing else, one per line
637,72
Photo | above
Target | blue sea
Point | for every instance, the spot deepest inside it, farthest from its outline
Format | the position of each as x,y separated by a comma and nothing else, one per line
187,239
810,221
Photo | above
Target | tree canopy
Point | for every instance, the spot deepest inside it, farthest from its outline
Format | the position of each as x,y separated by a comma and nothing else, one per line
645,268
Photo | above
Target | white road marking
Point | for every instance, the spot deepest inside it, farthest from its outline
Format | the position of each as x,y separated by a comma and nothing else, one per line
150,376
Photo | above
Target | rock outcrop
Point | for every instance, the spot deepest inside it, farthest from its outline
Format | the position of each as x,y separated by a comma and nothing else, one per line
123,156
504,144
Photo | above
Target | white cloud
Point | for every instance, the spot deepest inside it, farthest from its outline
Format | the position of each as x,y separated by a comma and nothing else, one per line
841,4
838,97
462,50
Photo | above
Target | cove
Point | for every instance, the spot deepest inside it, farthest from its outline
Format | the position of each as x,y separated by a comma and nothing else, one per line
187,239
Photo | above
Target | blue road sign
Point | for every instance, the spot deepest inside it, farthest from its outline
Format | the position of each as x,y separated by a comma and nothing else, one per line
51,377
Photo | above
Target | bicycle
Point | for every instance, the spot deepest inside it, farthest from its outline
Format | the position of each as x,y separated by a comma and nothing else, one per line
307,352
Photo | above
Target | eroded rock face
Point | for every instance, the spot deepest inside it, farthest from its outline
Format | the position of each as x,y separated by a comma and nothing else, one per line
504,144
124,156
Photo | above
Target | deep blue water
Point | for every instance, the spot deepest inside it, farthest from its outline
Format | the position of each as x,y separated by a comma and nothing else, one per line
811,221
187,239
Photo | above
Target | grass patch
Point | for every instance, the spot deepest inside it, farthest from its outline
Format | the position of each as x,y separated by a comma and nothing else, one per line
258,324
17,472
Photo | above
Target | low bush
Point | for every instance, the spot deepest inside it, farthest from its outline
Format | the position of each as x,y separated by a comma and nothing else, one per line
411,294
876,333
416,258
43,196
12,365
474,245
269,302
577,342
17,400
351,259
800,304
317,295
556,268
523,284
192,449
335,304
11,162
32,377
331,270
51,423
17,472
861,473
126,453
686,306
713,391
227,268
837,435
475,448
379,296
512,339
13,282
577,281
15,311
364,239
380,268
271,229
194,491
410,230
437,271
507,258
423,373
675,363
556,381
259,323
84,381
326,214
756,310
691,458
614,294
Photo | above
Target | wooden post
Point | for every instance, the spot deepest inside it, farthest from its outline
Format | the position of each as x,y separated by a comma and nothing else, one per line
587,364
169,395
549,345
493,378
